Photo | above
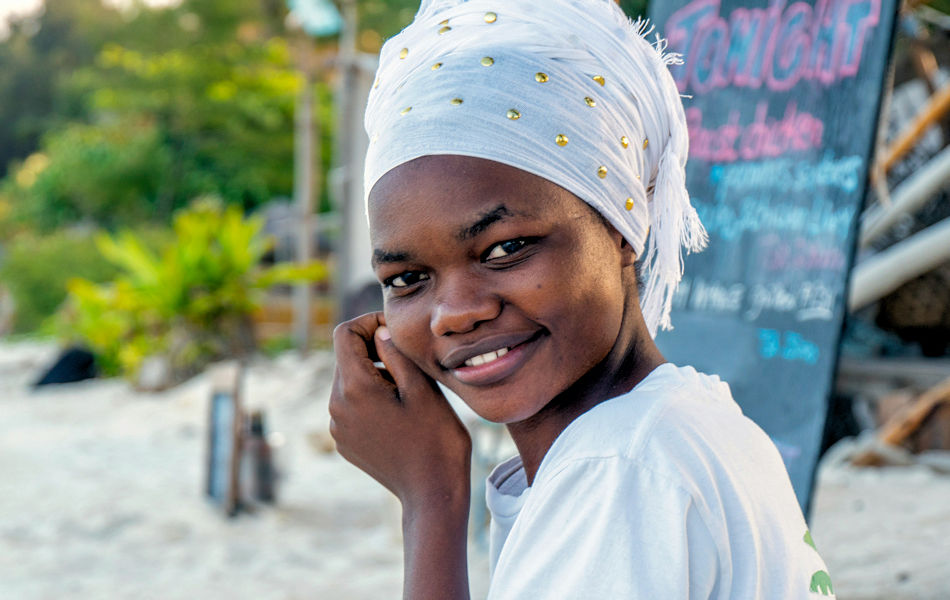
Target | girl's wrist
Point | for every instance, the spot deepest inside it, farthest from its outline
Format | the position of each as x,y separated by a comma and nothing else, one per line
442,503
435,529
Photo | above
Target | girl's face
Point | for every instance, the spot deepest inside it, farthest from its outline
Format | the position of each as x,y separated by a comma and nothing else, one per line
497,283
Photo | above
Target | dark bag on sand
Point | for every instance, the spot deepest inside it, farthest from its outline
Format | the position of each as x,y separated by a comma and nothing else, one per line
74,364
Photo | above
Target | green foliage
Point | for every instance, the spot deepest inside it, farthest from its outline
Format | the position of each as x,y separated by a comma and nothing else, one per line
384,19
940,5
134,112
634,8
276,346
109,175
224,112
35,268
36,61
106,318
191,301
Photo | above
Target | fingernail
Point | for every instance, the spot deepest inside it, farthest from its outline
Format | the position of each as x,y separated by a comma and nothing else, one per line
383,333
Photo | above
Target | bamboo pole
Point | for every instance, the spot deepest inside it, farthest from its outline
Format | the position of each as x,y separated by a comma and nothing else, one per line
937,106
907,197
886,271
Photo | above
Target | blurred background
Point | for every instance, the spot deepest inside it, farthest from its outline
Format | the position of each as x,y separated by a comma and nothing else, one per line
181,226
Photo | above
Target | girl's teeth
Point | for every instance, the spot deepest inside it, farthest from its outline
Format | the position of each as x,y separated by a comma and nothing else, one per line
488,357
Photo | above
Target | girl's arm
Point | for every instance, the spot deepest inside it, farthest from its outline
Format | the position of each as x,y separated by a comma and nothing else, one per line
403,433
434,543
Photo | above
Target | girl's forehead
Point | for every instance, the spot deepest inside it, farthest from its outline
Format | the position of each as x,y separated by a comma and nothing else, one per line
462,186
448,171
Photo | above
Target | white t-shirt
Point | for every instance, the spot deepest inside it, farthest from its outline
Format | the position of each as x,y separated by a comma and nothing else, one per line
665,493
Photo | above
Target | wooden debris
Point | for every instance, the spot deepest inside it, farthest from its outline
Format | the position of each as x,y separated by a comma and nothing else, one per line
936,108
904,423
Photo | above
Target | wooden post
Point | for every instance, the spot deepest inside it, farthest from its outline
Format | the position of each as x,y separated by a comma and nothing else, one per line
303,195
349,175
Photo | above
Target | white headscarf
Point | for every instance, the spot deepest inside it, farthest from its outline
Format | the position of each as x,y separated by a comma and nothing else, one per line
569,90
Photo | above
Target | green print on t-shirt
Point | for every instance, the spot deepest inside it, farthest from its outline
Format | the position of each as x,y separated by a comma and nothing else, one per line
820,580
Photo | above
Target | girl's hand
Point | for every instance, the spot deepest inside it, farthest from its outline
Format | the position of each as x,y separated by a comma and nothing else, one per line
399,430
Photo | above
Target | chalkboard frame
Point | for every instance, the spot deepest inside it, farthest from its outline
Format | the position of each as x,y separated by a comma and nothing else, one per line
870,75
854,233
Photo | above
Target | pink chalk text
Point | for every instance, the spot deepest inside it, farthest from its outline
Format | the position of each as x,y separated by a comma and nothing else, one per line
764,137
775,47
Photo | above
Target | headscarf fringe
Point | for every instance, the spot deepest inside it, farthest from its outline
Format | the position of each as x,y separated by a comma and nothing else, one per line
674,225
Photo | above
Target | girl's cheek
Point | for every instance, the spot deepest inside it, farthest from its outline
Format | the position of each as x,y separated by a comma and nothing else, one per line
405,326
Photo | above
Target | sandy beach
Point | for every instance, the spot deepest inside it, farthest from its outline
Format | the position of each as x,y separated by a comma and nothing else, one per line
101,497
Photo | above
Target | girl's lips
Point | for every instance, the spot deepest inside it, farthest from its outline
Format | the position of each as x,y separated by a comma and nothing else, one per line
499,368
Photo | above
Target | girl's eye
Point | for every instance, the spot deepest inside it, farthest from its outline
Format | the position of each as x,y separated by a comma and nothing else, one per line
406,279
506,248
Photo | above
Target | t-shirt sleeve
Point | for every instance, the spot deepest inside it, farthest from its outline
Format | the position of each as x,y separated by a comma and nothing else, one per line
607,528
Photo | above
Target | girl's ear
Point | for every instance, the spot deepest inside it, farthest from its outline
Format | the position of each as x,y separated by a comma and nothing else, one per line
628,257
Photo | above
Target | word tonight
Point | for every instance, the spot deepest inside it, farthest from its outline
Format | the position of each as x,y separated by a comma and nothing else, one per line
777,46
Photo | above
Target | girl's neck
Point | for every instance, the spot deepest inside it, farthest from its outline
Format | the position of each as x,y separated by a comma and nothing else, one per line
632,358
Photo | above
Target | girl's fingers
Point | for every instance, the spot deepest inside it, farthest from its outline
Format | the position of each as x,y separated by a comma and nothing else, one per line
354,347
407,375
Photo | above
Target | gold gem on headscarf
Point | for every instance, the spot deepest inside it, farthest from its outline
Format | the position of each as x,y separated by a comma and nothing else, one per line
404,53
405,110
376,84
601,171
590,101
490,17
456,101
513,114
436,66
541,77
487,61
624,141
599,79
629,204
560,139
444,29
443,23
646,142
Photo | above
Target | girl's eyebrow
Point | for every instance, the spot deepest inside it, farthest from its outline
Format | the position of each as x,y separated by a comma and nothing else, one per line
384,257
468,232
496,214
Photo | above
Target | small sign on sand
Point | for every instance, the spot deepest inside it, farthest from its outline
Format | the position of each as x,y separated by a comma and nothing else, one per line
224,430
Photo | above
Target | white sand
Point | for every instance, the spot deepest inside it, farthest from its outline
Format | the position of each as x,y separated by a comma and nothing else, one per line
100,497
884,533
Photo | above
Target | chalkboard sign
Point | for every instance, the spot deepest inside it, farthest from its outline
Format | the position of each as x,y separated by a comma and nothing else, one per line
782,102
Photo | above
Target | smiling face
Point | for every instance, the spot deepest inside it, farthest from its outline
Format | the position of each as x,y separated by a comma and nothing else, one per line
497,283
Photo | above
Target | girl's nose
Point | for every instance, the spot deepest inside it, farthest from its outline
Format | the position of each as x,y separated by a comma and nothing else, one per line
462,303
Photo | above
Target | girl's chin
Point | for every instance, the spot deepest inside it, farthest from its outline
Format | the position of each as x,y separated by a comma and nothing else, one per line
504,406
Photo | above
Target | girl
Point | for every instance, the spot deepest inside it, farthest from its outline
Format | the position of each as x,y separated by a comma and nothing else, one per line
521,152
